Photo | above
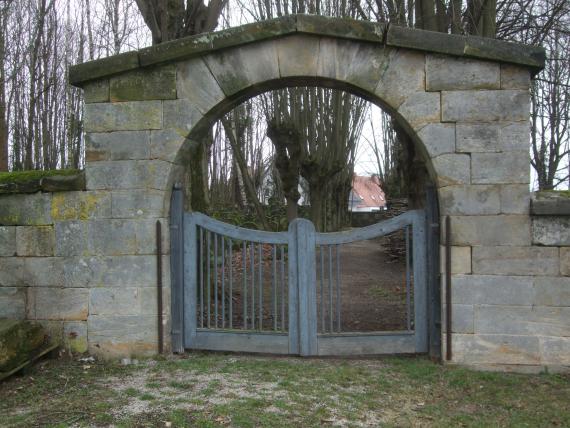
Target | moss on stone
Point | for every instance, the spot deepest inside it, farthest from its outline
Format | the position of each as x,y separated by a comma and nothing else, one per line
18,340
553,194
27,176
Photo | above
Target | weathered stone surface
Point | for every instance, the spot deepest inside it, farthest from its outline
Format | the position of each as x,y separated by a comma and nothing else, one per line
63,183
470,200
242,67
347,28
492,290
298,55
460,260
96,91
25,209
421,109
123,301
430,41
181,116
81,205
75,336
166,145
555,350
12,302
7,241
18,339
492,137
490,230
530,320
550,203
565,261
157,83
123,145
444,73
11,271
515,199
482,106
196,83
92,70
151,174
462,319
514,77
137,203
71,238
452,169
515,260
60,303
499,50
551,231
495,349
122,335
498,168
128,116
35,240
438,138
403,76
355,63
44,271
552,291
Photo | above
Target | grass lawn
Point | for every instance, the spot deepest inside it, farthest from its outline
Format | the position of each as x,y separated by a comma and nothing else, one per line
210,390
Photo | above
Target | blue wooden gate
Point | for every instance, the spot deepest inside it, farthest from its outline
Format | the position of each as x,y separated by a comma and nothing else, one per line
280,292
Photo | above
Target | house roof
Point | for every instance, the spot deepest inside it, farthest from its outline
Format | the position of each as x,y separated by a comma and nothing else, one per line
532,57
369,191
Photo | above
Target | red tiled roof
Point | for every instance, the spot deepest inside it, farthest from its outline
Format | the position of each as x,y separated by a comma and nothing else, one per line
369,191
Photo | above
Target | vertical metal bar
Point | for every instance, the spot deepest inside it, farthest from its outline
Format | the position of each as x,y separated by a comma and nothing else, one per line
244,270
408,280
331,320
177,269
223,242
252,255
209,242
283,327
190,280
338,289
260,294
274,287
159,285
201,277
216,236
231,301
323,324
448,312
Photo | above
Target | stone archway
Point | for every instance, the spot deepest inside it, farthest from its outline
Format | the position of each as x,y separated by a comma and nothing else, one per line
464,101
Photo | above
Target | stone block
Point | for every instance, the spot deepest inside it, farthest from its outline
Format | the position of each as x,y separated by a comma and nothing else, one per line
461,318
298,55
158,83
123,301
11,272
552,291
44,271
12,303
490,230
112,336
137,203
549,203
242,67
355,63
514,77
420,109
522,320
500,168
495,349
548,230
60,303
445,73
515,260
470,200
122,145
565,261
112,237
438,138
483,106
75,336
127,116
35,240
96,91
167,144
492,290
555,350
81,205
515,199
71,238
460,260
20,209
492,137
146,236
452,169
7,241
116,175
196,84
403,76
181,116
